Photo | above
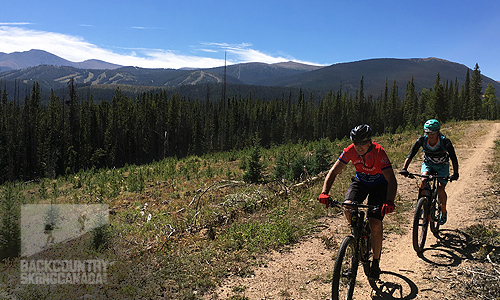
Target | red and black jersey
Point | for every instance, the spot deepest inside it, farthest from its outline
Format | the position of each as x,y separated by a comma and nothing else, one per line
370,170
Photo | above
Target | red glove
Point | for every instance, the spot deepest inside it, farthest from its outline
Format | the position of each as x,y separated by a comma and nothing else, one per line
387,207
323,198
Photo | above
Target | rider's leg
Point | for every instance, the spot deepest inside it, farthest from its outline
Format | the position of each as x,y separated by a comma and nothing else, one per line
443,197
424,186
347,211
376,236
356,192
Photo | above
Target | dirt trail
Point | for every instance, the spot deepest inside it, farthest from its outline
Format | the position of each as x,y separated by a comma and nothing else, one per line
304,272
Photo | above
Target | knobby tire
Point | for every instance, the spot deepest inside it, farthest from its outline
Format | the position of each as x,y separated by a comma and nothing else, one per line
345,270
365,248
434,212
420,224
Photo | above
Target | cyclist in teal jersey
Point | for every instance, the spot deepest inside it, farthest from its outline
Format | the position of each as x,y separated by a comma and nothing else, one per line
374,179
438,150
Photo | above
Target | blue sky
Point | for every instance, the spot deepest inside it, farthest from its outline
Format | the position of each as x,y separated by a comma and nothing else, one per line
189,33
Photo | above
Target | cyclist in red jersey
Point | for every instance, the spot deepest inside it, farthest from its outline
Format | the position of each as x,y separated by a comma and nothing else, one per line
374,179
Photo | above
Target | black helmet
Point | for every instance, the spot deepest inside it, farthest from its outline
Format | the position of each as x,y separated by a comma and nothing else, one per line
361,134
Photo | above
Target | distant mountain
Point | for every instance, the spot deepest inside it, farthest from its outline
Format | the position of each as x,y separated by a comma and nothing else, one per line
54,77
53,72
257,73
32,58
375,72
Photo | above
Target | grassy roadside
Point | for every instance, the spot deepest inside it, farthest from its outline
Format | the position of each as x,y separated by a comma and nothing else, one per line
481,276
179,227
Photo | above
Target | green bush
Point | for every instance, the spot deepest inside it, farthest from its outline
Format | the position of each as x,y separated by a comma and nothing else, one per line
321,158
101,234
253,170
258,235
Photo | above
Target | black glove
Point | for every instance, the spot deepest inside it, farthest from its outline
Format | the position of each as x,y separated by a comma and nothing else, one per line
454,177
404,172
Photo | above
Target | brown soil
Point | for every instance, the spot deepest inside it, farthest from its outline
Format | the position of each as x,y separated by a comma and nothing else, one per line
304,272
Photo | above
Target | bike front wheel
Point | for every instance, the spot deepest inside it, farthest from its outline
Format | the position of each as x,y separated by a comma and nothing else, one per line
345,270
420,224
435,211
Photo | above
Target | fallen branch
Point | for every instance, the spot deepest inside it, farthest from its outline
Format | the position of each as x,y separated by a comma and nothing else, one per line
481,273
493,264
231,182
168,237
306,182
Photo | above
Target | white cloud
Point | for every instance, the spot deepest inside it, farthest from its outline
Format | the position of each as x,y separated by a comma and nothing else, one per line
76,49
14,23
69,47
208,50
243,53
238,53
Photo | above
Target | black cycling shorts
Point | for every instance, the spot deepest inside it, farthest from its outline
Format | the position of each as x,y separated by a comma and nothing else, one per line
377,195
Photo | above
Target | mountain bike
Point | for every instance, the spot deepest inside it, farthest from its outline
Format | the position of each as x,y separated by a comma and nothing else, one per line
354,249
427,211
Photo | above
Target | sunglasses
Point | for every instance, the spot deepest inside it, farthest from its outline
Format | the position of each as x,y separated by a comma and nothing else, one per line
362,143
431,133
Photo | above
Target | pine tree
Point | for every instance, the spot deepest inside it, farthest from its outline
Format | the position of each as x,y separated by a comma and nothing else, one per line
73,162
425,113
410,105
384,106
10,228
392,108
490,102
476,86
364,112
253,172
31,137
52,140
465,99
455,102
438,105
321,158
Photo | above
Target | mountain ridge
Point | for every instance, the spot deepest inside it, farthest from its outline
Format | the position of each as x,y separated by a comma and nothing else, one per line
35,57
346,76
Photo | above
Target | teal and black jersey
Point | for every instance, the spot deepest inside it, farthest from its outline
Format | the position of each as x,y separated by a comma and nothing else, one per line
438,154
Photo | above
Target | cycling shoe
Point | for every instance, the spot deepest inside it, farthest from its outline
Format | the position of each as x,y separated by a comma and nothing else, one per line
374,273
443,217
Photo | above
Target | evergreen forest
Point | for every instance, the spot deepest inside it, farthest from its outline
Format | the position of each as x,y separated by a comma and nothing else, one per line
72,134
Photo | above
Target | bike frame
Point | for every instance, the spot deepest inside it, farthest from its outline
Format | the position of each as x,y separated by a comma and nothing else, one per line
431,180
359,239
427,211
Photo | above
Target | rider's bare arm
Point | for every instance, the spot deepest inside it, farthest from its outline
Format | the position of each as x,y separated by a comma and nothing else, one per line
332,174
392,184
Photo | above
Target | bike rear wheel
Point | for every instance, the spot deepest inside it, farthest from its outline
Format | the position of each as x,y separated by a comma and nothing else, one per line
345,270
420,224
435,210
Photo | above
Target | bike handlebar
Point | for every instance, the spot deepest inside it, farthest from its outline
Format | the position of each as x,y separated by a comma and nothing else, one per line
429,177
334,202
